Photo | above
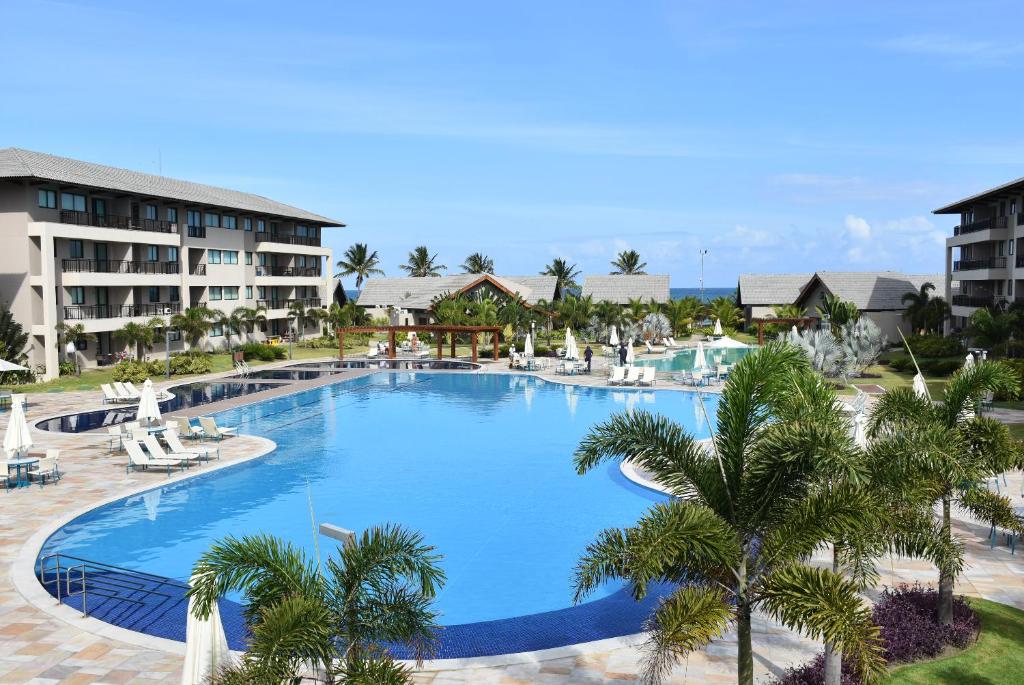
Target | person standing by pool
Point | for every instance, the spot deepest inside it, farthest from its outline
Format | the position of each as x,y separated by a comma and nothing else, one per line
587,355
622,353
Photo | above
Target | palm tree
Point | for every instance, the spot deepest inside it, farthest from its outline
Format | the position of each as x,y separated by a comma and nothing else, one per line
565,275
635,310
235,322
576,312
747,511
725,309
304,316
946,448
683,313
360,261
13,341
421,263
194,322
628,263
992,329
609,314
141,336
339,617
73,333
917,307
251,317
478,263
838,312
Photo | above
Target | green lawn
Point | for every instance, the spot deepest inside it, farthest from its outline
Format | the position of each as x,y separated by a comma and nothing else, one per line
996,659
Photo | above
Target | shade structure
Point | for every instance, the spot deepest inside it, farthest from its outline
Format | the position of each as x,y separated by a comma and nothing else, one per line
149,409
699,360
630,355
727,342
718,327
920,387
528,346
969,361
18,438
10,366
206,646
613,337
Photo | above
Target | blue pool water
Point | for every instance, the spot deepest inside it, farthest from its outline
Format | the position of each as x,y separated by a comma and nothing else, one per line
683,359
481,464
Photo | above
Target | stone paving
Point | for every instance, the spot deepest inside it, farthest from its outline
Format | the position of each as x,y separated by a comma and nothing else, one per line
41,643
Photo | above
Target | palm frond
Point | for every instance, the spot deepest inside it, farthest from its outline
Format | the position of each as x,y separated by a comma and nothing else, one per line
825,606
390,552
991,507
898,407
686,621
294,631
401,616
379,671
966,387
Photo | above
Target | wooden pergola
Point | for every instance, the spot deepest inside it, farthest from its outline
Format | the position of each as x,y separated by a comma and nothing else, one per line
803,322
393,332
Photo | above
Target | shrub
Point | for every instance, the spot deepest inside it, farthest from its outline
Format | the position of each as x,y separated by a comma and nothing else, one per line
321,343
67,368
191,362
934,367
931,346
133,371
907,617
263,351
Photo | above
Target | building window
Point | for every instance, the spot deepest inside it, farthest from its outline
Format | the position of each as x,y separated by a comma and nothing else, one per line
75,249
172,253
213,257
81,344
1009,288
261,292
172,215
301,230
72,202
230,256
77,294
1009,247
273,227
1000,248
231,292
248,258
248,292
212,220
154,293
193,218
228,221
261,226
216,330
247,223
48,199
216,294
300,261
151,212
313,231
262,258
173,293
153,253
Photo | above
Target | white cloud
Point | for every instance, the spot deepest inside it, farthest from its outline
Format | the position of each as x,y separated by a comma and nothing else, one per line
857,227
956,47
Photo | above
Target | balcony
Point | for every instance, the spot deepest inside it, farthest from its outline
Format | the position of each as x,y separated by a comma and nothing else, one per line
287,239
113,266
197,231
982,225
127,223
197,269
986,263
301,271
83,312
972,300
307,302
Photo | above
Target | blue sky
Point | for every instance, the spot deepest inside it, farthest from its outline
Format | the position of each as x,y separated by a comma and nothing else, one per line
805,136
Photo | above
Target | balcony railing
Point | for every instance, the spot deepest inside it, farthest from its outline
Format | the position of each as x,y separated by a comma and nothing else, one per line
197,231
972,300
287,239
79,312
196,304
68,216
982,225
197,269
307,302
287,271
113,266
1020,260
987,263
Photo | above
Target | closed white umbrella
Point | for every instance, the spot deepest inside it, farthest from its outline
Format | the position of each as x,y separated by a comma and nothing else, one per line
920,388
528,346
969,362
571,399
613,337
206,647
718,327
571,352
149,409
699,361
10,366
17,439
630,355
860,433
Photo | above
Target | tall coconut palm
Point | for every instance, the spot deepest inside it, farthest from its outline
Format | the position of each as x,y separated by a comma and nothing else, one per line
628,262
421,263
917,306
609,314
565,275
636,309
746,511
478,263
194,322
140,335
946,448
360,261
576,312
233,322
304,316
251,317
339,617
838,312
72,333
992,329
725,309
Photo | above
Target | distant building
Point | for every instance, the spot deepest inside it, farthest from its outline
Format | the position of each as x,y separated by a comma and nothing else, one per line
408,299
982,259
623,288
759,294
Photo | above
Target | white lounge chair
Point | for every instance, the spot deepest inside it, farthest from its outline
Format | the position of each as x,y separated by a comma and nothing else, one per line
673,343
185,427
649,376
137,459
124,393
650,347
157,451
372,352
47,468
617,375
633,376
214,432
109,394
174,442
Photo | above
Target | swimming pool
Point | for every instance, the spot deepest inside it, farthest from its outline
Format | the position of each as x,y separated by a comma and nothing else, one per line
683,359
481,464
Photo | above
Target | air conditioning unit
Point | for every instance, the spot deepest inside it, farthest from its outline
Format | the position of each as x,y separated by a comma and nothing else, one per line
167,310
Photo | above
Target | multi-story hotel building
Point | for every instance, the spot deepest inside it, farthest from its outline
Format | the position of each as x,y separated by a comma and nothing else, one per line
91,244
984,265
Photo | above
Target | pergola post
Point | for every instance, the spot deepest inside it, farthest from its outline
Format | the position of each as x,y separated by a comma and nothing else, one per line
391,344
496,345
453,344
341,343
760,332
440,342
472,344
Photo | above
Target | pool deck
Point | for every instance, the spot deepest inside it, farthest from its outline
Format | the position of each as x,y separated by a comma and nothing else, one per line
43,643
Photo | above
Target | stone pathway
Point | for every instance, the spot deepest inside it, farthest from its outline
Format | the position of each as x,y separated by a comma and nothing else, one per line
43,644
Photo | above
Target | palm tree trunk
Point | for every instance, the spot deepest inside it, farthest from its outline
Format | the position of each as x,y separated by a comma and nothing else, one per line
833,654
745,649
945,577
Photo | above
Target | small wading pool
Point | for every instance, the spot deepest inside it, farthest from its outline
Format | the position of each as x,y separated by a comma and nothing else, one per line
683,359
189,395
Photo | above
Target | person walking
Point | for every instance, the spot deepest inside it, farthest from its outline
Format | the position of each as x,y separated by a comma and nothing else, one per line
622,353
588,354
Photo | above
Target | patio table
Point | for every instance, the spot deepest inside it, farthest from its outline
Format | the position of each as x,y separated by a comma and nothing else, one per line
21,465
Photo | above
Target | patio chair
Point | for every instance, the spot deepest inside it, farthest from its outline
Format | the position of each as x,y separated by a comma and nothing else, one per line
114,436
649,377
174,442
47,468
109,396
185,427
633,376
215,432
137,459
124,393
157,451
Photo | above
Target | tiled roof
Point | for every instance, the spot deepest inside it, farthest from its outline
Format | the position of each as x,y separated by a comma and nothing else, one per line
1012,188
623,288
17,163
872,290
770,289
417,293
